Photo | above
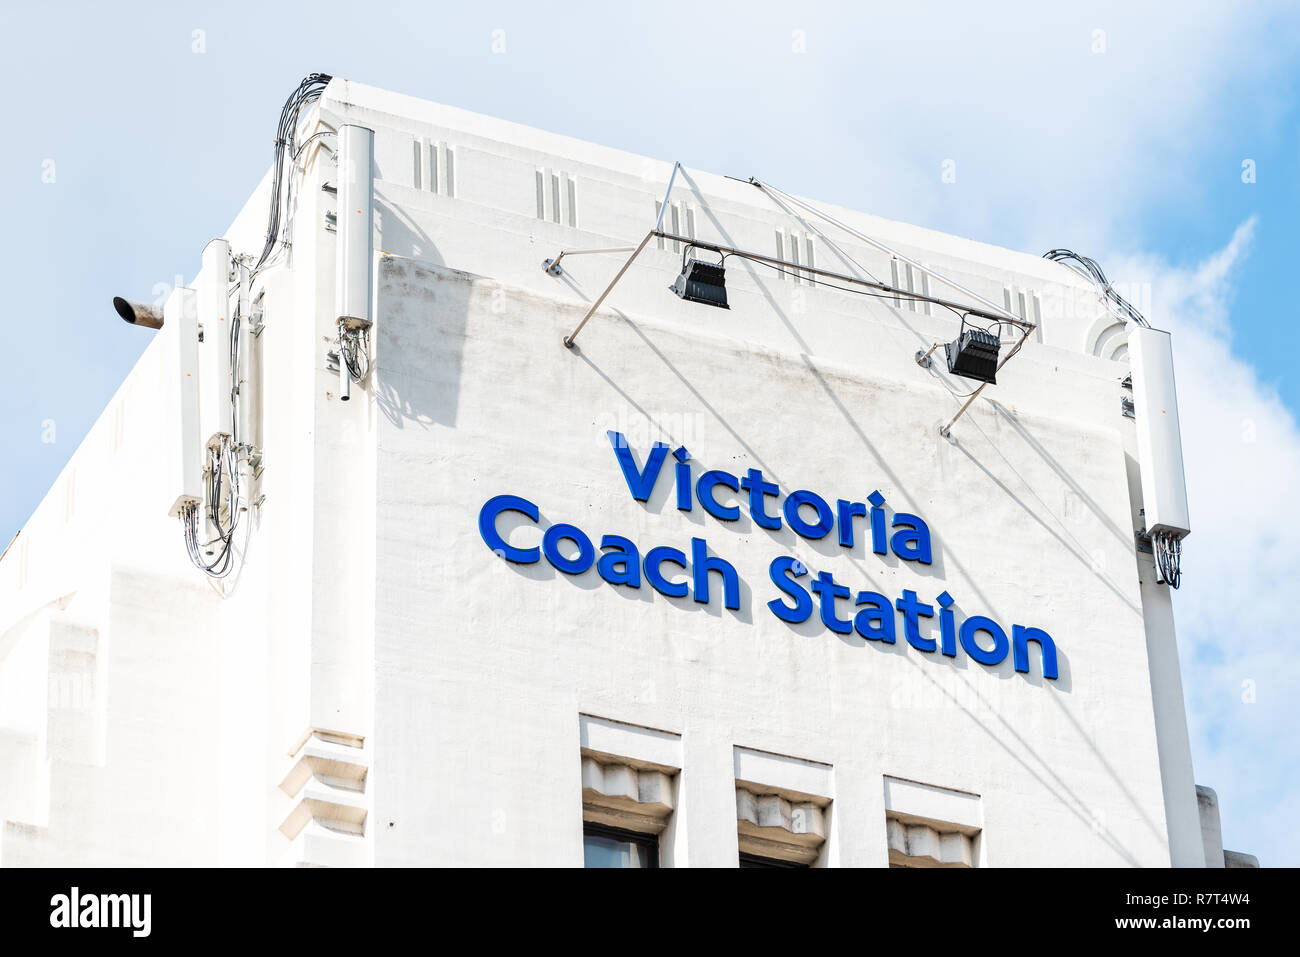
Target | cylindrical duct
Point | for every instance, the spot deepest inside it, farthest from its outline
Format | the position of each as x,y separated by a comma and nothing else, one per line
138,313
355,225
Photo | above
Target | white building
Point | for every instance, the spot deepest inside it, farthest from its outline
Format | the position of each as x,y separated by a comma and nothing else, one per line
393,674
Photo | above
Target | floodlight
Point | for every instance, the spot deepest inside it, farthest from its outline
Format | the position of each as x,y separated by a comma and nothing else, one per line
702,281
974,355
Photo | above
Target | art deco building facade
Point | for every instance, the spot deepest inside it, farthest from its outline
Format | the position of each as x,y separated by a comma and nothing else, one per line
696,587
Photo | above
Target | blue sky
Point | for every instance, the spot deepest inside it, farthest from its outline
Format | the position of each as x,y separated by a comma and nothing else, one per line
1119,132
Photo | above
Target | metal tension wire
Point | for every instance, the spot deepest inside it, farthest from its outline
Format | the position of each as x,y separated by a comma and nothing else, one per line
773,261
993,312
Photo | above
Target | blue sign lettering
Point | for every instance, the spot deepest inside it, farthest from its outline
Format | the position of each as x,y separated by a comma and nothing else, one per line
872,615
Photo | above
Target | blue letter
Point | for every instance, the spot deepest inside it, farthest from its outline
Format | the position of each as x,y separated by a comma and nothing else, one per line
639,483
487,527
877,523
847,510
657,557
783,572
827,591
979,623
704,491
911,609
880,611
947,629
683,478
757,488
825,519
912,543
626,556
1021,637
702,564
551,546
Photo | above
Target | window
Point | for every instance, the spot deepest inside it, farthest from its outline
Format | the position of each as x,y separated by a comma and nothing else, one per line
777,830
629,790
782,809
631,803
754,860
921,842
930,826
604,846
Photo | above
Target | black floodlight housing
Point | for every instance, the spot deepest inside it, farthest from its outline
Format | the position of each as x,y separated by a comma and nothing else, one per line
974,355
701,281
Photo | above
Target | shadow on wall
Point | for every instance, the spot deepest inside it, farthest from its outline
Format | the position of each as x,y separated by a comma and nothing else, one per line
876,459
1006,737
828,547
399,235
422,314
988,717
1061,533
1124,537
419,348
998,728
420,319
876,464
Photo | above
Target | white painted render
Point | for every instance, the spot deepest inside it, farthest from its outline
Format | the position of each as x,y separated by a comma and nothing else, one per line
381,688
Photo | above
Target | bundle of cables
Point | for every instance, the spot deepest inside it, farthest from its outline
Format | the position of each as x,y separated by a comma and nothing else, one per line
1089,267
221,492
1168,554
308,90
354,349
223,501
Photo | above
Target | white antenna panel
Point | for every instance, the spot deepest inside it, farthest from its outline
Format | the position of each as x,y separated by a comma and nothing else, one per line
1160,445
180,356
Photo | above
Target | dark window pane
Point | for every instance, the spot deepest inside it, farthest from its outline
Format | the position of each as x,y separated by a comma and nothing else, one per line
753,860
612,847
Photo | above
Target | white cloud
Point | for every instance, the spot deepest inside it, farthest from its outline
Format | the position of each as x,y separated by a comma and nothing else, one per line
1054,144
1242,561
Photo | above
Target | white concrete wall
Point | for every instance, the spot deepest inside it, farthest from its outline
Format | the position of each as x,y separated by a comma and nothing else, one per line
370,609
484,665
